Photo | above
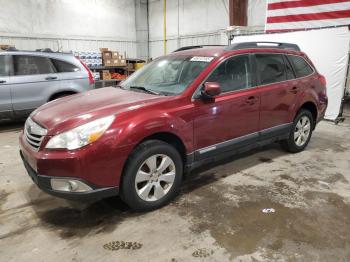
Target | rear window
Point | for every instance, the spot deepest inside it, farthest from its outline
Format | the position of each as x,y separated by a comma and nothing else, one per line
271,68
3,67
301,67
64,67
32,65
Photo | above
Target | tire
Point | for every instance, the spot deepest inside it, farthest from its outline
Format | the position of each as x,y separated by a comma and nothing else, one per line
294,144
144,190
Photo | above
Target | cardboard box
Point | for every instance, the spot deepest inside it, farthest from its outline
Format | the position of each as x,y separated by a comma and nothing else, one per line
4,47
106,75
103,49
115,54
107,62
107,55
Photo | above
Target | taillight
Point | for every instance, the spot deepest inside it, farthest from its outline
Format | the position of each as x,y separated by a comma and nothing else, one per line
91,77
323,80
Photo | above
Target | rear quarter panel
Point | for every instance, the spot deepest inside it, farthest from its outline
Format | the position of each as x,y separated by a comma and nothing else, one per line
310,92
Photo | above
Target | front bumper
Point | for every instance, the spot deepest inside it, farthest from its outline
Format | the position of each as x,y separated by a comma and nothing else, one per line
43,182
99,164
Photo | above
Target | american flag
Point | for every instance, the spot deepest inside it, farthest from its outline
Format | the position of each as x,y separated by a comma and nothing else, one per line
288,15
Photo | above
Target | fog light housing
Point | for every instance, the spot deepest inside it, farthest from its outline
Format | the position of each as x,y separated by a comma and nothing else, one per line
69,185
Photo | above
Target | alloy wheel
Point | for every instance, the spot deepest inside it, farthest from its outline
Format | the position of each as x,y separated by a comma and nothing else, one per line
155,177
302,131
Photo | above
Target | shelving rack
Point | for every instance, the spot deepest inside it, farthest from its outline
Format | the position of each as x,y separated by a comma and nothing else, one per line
126,70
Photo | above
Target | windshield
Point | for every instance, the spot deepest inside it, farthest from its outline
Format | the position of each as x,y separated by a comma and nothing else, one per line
167,75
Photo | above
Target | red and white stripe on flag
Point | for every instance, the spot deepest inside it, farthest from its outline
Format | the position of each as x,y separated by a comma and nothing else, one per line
287,15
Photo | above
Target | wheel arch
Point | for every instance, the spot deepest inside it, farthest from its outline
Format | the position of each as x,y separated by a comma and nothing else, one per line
171,139
165,136
60,93
310,106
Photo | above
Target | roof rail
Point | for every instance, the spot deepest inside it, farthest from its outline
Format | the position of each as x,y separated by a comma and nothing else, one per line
193,47
245,45
41,50
48,50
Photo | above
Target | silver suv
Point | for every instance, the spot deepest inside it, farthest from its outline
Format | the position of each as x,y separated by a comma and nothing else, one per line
30,79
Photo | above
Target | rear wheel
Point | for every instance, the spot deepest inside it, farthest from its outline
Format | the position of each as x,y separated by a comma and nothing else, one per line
152,176
300,133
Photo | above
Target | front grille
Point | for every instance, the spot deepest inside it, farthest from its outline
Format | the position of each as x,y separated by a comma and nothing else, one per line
34,134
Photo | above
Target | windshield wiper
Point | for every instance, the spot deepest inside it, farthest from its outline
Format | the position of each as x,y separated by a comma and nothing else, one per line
144,89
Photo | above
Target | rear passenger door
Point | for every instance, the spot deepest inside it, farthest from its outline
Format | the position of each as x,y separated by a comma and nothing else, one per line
72,78
34,79
278,93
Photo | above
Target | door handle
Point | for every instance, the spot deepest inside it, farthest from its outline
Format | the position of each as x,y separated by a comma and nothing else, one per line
2,81
51,78
294,89
251,100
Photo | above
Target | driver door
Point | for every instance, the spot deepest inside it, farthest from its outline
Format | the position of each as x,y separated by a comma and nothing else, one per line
231,120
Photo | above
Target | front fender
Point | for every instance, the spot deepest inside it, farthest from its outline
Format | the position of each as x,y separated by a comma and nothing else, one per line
133,130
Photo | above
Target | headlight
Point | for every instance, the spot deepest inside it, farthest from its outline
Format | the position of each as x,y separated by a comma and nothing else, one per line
81,135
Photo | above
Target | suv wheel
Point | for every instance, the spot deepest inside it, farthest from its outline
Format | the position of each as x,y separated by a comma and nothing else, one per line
301,132
152,176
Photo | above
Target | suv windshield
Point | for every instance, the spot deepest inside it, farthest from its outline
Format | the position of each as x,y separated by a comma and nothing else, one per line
167,75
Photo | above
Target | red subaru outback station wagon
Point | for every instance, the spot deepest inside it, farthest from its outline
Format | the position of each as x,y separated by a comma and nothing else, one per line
180,110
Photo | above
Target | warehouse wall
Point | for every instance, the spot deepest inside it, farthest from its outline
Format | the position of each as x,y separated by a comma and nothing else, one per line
141,23
256,13
80,25
189,22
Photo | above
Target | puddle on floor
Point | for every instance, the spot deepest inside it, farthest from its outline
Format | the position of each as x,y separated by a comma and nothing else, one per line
99,217
242,228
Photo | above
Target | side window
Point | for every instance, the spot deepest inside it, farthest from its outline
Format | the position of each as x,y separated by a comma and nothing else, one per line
64,67
3,66
301,67
270,68
32,65
289,69
233,74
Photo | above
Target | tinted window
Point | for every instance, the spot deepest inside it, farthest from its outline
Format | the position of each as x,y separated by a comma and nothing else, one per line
233,74
32,65
64,67
270,68
3,66
301,67
289,69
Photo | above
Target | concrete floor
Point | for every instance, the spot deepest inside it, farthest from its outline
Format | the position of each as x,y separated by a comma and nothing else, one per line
217,217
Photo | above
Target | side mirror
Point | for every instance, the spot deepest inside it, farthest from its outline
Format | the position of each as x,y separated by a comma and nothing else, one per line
211,90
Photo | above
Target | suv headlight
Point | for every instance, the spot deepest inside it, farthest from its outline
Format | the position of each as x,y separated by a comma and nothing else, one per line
81,135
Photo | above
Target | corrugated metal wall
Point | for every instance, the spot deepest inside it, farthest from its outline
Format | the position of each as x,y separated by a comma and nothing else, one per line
79,25
86,25
189,22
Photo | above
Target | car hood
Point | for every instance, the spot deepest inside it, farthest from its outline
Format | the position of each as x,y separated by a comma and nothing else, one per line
71,111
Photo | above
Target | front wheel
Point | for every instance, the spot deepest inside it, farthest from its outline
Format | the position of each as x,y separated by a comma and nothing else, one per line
300,133
152,176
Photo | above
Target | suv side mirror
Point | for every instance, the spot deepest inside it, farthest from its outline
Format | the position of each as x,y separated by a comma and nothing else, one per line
210,90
